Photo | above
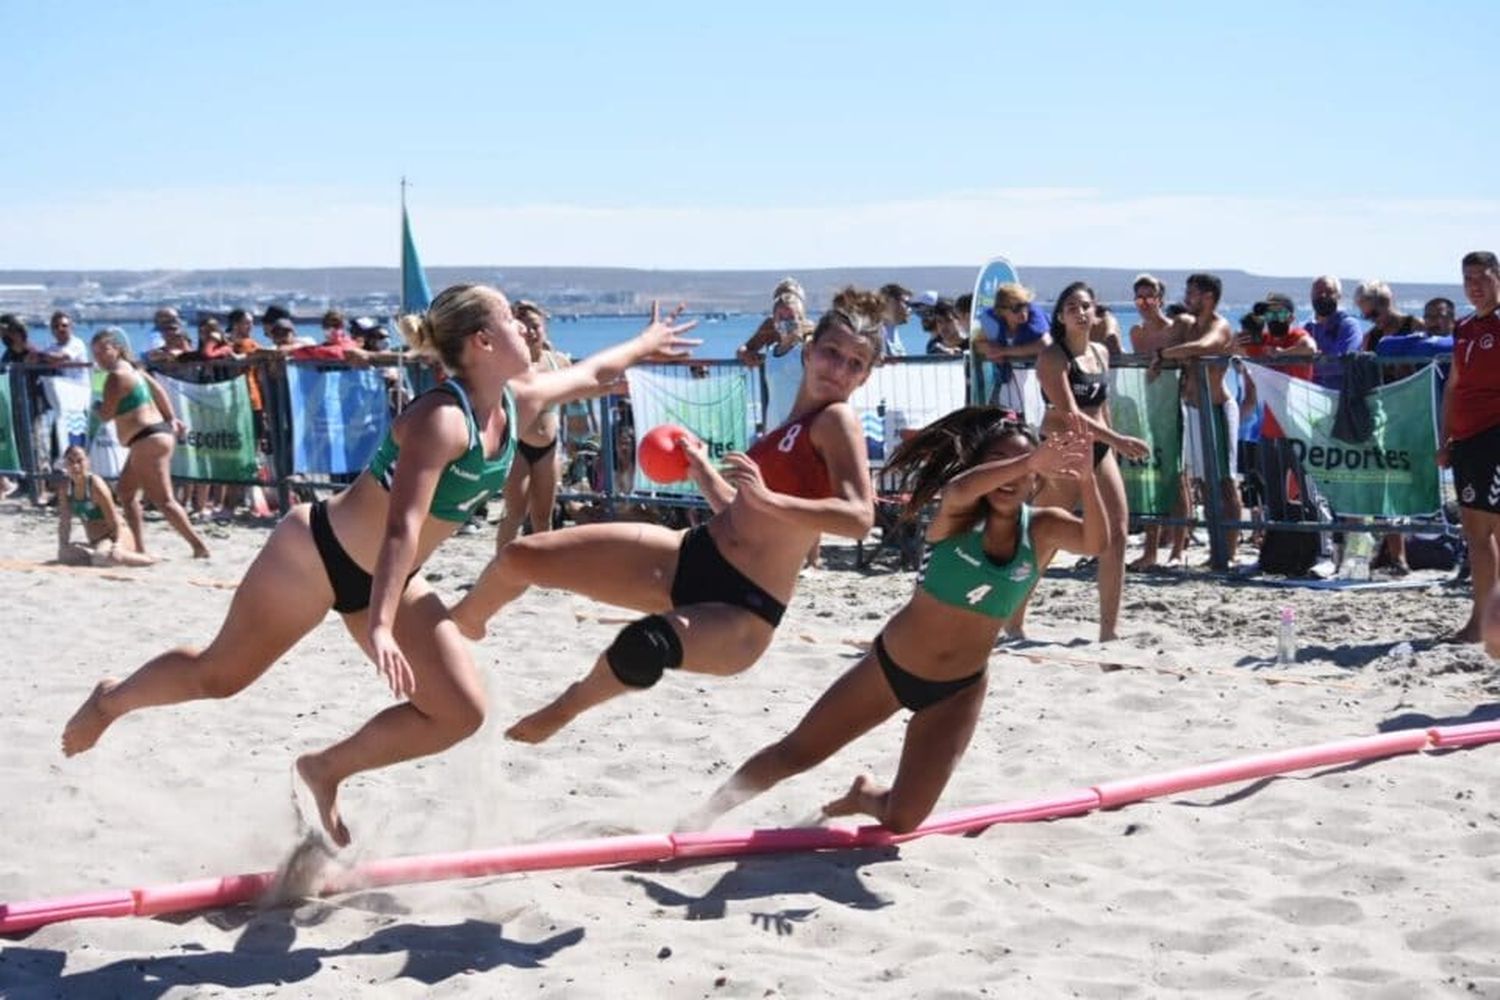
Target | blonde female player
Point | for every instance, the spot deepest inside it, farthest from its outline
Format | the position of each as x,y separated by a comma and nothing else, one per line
713,594
986,549
86,496
147,425
359,552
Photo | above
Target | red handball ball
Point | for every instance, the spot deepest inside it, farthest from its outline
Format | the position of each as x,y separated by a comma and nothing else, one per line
659,455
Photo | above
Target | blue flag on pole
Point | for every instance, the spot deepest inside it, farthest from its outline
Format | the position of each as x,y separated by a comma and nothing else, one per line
338,417
415,295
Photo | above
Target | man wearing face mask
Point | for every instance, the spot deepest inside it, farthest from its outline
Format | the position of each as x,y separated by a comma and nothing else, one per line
1334,331
1283,338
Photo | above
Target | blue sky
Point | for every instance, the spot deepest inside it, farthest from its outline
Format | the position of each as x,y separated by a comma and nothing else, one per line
1279,137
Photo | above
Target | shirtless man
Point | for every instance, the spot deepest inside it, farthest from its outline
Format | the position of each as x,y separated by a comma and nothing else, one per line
1153,333
1106,330
1204,332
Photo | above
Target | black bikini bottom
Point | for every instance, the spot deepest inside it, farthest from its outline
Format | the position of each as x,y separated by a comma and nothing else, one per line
535,453
913,692
704,576
351,584
160,427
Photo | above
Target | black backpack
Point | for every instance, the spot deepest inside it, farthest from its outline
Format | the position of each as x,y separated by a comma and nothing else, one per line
1290,553
1285,552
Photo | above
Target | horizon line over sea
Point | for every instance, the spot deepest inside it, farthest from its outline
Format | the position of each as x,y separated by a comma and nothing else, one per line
586,334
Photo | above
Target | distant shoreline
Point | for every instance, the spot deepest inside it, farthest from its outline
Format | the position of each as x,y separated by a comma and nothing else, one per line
582,291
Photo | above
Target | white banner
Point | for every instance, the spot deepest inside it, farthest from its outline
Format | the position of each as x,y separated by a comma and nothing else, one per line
906,394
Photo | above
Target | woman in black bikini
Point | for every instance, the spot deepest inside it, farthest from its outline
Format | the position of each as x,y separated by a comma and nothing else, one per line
1074,375
360,551
713,594
532,486
146,425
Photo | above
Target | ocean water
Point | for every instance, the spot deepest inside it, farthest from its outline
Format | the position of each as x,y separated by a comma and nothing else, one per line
588,334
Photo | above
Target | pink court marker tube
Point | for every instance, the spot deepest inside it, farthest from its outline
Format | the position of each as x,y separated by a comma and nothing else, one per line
201,894
1117,793
526,857
1468,735
15,917
721,843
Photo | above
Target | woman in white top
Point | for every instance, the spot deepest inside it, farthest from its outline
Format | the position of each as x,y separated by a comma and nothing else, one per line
776,348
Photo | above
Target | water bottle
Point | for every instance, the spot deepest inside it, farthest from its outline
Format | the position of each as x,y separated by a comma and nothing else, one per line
1286,637
1358,547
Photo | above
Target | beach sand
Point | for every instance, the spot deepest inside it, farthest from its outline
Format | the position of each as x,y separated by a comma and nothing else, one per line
1373,880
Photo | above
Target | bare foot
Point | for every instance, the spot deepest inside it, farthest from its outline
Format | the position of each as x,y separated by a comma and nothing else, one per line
89,722
598,686
1014,631
301,875
862,798
541,725
325,793
201,552
1142,563
1468,634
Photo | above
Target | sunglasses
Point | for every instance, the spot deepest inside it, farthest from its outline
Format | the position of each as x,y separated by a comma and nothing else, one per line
1277,314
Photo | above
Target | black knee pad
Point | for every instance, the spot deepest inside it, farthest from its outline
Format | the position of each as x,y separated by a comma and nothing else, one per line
644,649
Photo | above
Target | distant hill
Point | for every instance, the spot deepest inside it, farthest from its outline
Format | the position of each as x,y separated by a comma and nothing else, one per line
602,289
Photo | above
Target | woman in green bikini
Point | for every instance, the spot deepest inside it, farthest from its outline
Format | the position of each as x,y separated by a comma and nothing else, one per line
360,552
986,549
147,426
86,496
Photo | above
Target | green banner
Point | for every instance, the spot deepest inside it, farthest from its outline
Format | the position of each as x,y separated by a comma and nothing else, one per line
1393,472
1147,407
220,440
714,406
10,454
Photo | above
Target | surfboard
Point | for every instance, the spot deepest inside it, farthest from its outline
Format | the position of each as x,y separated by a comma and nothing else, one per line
992,274
1022,391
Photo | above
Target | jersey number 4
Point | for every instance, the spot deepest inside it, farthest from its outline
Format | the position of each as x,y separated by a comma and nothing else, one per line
977,594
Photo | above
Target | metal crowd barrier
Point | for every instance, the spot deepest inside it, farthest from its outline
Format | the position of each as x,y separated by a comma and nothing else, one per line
592,454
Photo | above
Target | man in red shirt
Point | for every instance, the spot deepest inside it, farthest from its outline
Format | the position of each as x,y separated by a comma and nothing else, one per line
1470,441
1270,462
1282,339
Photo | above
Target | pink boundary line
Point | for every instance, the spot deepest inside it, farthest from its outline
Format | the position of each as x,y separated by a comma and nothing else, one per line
215,892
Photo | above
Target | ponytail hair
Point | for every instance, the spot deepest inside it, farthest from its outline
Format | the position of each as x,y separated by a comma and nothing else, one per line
115,337
457,312
948,446
860,312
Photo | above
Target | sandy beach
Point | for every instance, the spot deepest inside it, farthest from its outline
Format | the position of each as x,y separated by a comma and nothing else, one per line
1374,880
